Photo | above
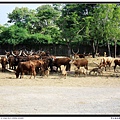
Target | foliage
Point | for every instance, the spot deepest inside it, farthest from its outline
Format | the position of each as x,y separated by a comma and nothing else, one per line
70,24
14,35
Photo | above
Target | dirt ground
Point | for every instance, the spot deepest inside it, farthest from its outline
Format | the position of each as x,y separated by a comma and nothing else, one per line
109,78
57,95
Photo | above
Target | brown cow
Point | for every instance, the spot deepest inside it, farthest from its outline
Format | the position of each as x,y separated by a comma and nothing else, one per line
116,62
62,61
80,63
11,61
39,64
3,63
23,67
16,52
14,60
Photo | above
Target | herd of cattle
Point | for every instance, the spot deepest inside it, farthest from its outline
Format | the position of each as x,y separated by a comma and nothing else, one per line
41,62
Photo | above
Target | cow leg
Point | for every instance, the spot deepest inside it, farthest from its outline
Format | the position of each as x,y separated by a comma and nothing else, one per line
37,69
78,67
109,66
68,67
51,68
34,73
22,74
31,74
60,68
86,67
105,67
115,67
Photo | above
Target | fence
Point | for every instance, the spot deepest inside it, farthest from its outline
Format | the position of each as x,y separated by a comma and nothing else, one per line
56,49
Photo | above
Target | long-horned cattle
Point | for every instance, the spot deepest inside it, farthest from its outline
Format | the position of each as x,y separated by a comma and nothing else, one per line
13,59
24,67
116,62
80,63
62,61
21,57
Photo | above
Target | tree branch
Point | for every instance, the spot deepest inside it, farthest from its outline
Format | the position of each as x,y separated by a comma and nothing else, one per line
80,30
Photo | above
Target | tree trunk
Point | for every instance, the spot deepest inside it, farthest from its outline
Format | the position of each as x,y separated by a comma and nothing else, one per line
96,51
69,48
93,49
109,53
115,49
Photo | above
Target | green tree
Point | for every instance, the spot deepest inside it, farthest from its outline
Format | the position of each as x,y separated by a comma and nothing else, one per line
103,26
14,35
47,15
69,25
23,17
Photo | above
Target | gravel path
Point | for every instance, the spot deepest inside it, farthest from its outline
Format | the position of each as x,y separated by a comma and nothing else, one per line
59,100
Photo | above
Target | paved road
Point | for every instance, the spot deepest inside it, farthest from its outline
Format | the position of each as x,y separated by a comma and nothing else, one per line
59,100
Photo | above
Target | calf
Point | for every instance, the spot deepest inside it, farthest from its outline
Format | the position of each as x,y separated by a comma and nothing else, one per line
81,70
116,62
23,67
96,70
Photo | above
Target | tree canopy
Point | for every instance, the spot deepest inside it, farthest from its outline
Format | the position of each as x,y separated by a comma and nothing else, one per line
70,24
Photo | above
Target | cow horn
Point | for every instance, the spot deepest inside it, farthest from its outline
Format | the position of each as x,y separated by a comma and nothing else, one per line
73,51
25,53
20,53
5,51
77,51
11,70
13,53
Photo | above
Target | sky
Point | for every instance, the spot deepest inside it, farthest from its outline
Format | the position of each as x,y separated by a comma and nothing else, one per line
6,8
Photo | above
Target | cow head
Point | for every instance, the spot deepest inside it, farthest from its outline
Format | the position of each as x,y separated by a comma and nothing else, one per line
75,55
16,53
